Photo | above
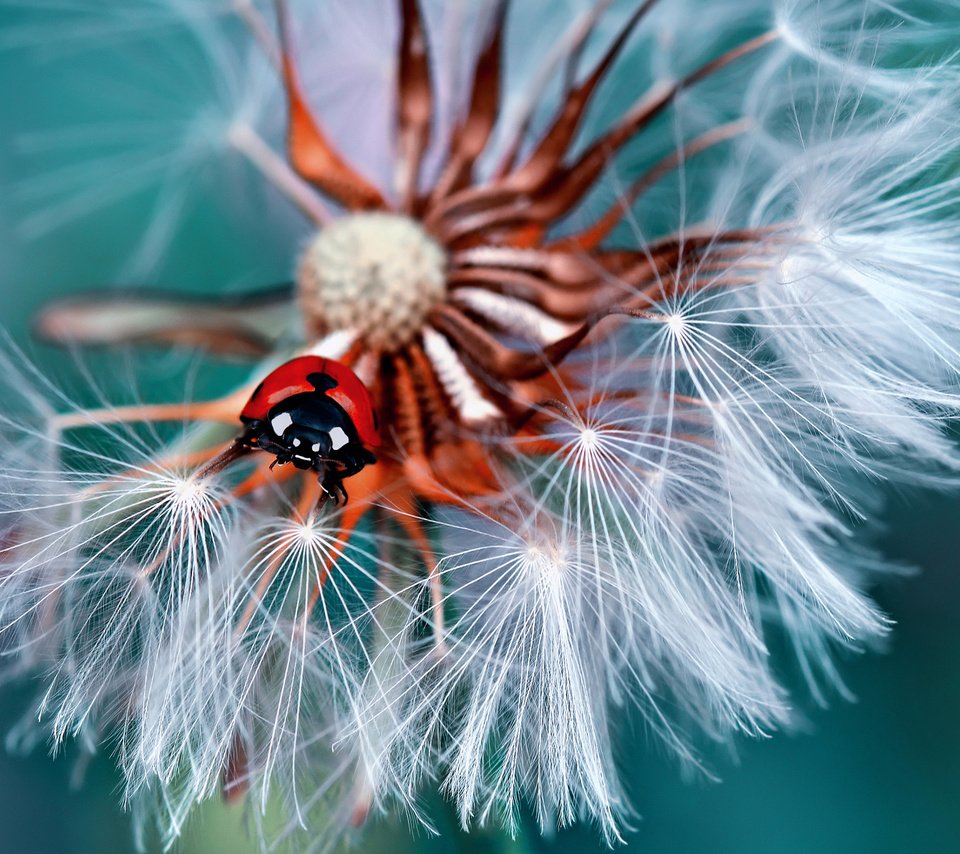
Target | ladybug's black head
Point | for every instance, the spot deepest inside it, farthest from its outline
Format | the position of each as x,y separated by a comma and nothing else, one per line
306,445
307,430
311,431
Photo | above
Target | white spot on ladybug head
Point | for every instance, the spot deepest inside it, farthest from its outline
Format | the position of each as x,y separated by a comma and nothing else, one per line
375,273
338,438
316,448
281,423
296,443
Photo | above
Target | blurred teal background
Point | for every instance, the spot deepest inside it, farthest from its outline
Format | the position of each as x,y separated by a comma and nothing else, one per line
879,775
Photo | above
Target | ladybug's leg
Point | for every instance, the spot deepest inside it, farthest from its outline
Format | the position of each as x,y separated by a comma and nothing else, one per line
233,452
331,479
332,485
349,470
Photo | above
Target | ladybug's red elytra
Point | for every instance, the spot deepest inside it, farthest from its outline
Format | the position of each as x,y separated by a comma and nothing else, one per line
316,414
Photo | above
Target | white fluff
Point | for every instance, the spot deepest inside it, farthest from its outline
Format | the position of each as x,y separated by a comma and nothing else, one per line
706,496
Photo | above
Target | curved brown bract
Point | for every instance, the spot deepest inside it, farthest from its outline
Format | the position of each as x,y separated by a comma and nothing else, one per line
310,152
470,137
242,326
414,102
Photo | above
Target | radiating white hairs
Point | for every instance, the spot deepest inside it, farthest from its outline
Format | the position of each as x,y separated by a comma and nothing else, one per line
705,497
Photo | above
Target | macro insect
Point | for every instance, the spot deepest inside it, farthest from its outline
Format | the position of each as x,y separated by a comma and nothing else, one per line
315,414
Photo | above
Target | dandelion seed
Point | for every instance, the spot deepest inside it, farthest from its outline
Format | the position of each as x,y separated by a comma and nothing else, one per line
639,314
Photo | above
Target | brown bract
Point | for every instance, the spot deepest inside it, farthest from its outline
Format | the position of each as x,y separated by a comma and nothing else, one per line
495,233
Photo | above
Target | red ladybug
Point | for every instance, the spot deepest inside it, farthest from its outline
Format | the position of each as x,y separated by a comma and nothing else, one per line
317,414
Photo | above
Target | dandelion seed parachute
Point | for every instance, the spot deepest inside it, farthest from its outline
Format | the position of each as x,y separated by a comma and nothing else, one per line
641,312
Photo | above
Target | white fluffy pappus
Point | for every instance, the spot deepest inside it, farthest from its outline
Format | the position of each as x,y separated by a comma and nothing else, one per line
514,703
102,540
220,642
693,496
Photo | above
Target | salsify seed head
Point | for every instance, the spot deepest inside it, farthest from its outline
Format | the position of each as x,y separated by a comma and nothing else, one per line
648,297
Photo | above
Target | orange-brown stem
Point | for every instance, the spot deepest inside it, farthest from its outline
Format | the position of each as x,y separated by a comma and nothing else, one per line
410,522
364,488
309,150
471,136
224,409
309,494
414,102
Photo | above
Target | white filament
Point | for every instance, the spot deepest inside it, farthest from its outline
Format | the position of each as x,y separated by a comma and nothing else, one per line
457,382
515,315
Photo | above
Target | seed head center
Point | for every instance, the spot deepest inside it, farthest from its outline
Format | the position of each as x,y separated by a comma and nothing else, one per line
375,273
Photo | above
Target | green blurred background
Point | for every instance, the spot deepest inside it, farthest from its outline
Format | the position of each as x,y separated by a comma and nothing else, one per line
878,775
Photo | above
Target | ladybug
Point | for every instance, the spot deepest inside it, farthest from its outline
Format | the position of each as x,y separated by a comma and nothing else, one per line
316,414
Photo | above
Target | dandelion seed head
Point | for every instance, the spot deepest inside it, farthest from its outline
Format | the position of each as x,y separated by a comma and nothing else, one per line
192,493
377,274
308,533
640,312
